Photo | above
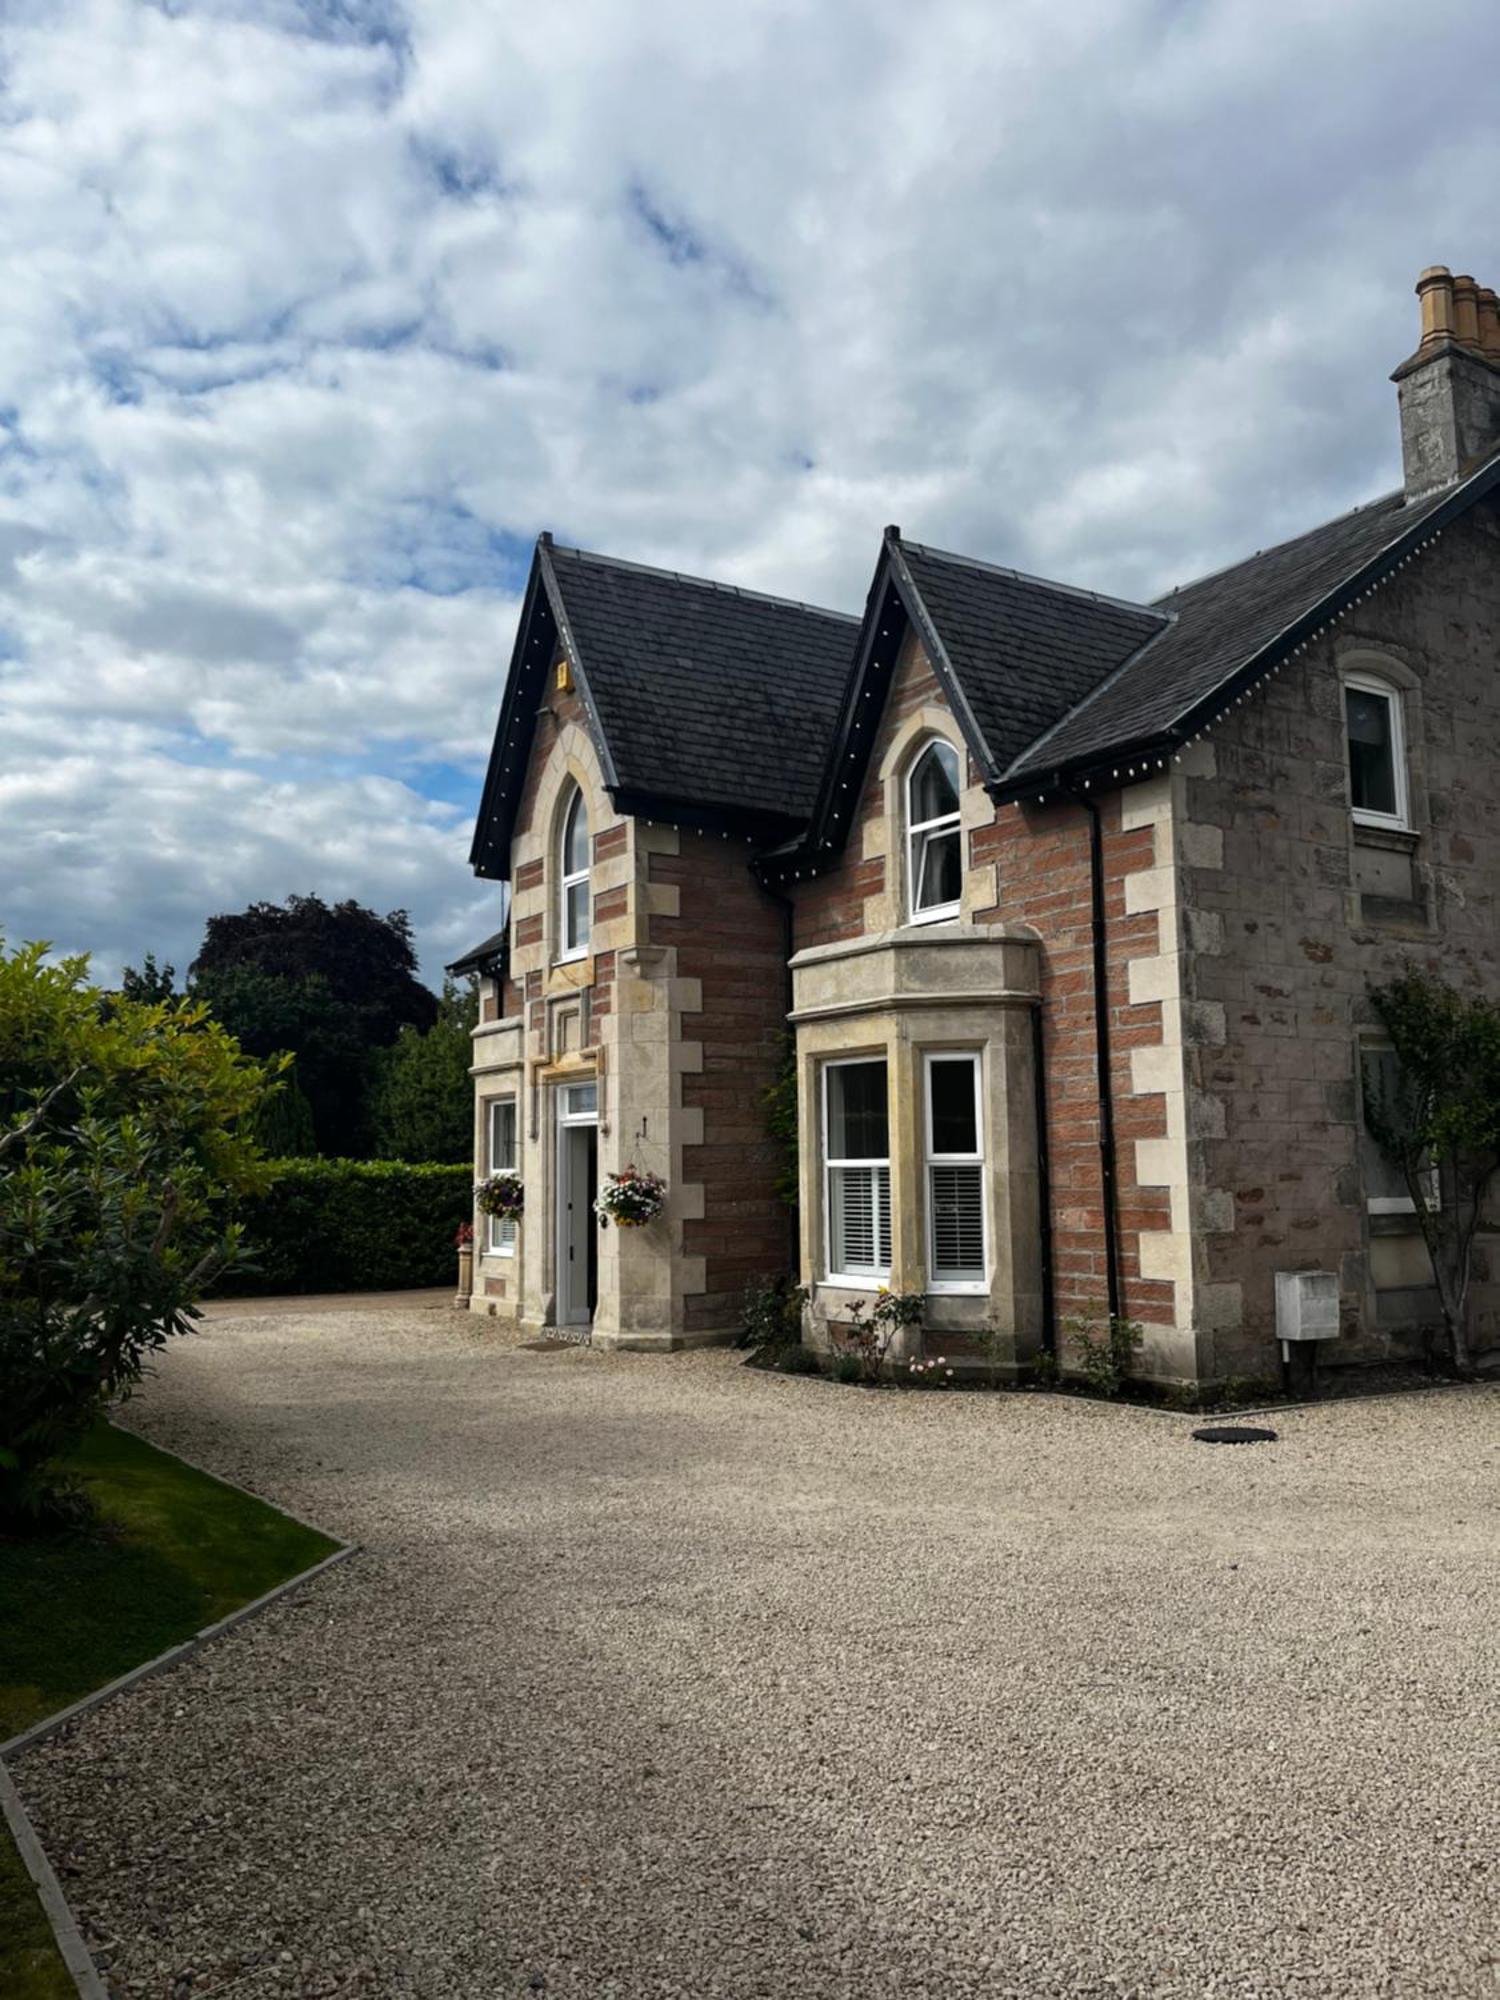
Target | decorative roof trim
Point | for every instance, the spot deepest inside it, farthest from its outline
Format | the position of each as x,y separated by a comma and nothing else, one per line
937,654
1293,639
575,659
489,851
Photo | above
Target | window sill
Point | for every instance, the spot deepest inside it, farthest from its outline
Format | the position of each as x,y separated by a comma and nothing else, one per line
946,915
975,1288
1385,833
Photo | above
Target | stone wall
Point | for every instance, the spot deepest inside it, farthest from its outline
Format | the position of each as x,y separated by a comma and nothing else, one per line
1029,867
1301,912
728,941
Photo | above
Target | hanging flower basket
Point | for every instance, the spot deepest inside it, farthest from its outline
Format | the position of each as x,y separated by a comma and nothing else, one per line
631,1199
502,1195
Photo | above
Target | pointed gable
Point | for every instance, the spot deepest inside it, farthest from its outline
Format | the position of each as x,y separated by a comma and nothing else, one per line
706,703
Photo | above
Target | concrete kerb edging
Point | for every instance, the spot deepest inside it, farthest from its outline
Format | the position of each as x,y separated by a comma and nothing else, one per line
174,1655
70,1944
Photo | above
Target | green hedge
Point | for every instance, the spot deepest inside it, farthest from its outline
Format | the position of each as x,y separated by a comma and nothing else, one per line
353,1226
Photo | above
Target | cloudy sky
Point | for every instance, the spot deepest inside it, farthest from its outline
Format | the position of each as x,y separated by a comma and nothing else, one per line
315,311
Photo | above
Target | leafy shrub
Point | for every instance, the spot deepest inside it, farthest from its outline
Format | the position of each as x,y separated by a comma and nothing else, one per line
1106,1349
122,1146
797,1360
353,1226
866,1336
771,1313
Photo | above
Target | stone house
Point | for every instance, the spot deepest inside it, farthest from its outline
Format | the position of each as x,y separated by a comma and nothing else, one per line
1065,908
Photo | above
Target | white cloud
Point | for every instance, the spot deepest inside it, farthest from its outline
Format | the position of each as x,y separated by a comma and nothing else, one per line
316,313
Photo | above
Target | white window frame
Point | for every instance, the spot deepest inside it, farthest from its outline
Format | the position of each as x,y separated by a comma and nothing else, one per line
933,1158
914,828
1400,820
570,948
503,1231
1389,1204
878,1274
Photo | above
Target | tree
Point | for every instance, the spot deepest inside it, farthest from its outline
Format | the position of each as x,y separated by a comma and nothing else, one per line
367,962
121,1149
269,1015
1439,1120
152,982
421,1098
330,983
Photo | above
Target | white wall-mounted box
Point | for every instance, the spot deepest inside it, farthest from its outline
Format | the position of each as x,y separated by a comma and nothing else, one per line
1307,1305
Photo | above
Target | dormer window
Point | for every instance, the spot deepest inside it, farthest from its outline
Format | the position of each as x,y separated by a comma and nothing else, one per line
573,880
934,857
1377,753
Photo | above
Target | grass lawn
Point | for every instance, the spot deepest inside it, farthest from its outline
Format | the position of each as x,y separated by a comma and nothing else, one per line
170,1551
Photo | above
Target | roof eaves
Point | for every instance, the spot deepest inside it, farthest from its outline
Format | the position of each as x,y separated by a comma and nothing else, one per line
1023,778
776,862
937,653
575,658
1303,631
511,711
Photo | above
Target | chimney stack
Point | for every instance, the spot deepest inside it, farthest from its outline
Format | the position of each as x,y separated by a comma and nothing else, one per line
1449,391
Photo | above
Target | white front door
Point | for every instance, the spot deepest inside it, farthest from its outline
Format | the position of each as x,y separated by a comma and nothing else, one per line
577,1184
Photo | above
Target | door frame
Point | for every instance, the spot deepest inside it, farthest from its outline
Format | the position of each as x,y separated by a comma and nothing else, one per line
573,1115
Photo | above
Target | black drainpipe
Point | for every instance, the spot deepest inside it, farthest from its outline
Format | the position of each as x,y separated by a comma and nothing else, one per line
1107,1173
788,947
1044,1182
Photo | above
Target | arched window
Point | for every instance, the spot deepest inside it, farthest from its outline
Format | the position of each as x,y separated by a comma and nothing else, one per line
573,880
934,856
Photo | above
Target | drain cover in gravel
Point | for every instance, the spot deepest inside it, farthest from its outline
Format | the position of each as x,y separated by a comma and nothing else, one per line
547,1346
1234,1434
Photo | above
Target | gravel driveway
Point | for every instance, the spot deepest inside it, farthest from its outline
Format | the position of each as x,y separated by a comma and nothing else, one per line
660,1677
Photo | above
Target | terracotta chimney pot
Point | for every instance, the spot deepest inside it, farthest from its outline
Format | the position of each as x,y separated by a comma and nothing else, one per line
1489,323
1466,312
1435,290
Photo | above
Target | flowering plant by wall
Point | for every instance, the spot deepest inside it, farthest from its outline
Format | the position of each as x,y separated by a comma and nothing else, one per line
501,1194
463,1236
631,1198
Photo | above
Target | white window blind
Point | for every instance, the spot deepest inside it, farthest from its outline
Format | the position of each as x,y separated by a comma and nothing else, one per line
502,1155
955,1174
856,1146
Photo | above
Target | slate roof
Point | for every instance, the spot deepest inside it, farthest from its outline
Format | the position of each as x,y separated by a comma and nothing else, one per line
722,704
1226,627
1023,651
705,694
494,947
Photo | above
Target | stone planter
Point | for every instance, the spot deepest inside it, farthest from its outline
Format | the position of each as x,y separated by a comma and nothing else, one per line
465,1275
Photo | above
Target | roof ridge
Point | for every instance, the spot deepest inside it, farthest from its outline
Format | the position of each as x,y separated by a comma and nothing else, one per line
1274,548
1027,576
704,583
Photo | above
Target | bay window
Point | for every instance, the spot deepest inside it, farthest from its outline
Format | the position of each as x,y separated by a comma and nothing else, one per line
856,1151
955,1174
